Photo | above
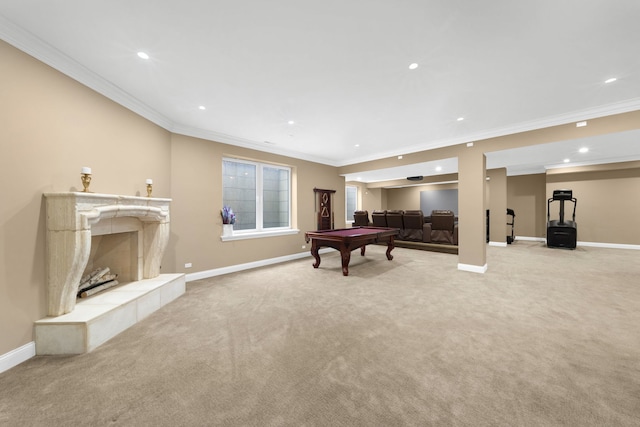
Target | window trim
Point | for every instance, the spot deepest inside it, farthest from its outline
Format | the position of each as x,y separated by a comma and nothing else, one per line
346,204
261,231
239,235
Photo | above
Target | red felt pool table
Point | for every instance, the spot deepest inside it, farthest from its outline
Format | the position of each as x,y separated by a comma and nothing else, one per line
348,239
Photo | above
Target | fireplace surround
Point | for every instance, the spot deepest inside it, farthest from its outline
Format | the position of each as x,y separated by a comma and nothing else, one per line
75,219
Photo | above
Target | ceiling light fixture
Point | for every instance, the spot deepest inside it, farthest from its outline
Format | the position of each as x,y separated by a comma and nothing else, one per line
460,119
202,107
413,66
611,80
291,122
143,55
399,157
357,145
438,168
581,124
566,160
584,150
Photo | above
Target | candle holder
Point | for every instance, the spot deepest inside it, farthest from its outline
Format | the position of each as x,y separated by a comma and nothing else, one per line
149,189
86,181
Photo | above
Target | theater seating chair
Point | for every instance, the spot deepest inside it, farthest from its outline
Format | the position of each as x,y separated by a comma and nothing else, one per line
361,219
379,218
443,228
414,226
394,220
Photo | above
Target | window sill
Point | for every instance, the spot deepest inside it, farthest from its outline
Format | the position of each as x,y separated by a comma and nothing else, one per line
239,235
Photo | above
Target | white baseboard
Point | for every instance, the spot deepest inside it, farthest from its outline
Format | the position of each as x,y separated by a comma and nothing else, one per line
609,245
17,356
579,243
531,239
473,268
247,266
499,244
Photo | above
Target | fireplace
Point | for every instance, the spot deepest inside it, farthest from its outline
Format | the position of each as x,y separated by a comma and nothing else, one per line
118,252
87,230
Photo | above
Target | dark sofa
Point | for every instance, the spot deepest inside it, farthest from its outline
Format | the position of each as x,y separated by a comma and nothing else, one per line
440,227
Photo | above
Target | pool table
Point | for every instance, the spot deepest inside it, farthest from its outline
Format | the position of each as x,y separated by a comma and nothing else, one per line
348,239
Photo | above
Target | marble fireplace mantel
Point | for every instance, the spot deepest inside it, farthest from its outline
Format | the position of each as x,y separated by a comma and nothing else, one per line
72,219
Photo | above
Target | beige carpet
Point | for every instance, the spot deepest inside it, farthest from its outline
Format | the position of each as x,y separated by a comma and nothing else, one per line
547,337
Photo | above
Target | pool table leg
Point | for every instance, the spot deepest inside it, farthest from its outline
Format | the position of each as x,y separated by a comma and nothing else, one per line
314,252
346,257
390,248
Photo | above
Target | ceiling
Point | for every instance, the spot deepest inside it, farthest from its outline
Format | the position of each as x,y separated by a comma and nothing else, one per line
330,81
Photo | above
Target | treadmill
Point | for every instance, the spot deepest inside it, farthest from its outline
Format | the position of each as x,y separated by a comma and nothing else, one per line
561,233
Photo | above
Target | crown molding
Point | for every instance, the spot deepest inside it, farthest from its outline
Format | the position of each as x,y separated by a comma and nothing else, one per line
247,143
44,52
626,106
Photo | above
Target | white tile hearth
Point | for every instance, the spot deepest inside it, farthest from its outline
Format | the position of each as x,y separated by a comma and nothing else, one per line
97,319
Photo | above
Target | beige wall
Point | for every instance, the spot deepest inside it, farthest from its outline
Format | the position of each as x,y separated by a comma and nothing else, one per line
197,199
372,199
526,195
497,205
472,214
50,127
608,205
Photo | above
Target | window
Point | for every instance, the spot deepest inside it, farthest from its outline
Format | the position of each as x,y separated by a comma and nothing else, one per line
351,203
259,194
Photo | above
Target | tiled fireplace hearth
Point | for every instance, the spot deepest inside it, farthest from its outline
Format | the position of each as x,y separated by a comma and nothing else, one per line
74,221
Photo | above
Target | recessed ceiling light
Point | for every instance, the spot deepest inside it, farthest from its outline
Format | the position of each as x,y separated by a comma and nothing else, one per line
202,107
566,160
581,124
143,55
399,157
357,145
584,150
438,168
291,122
611,80
460,119
413,66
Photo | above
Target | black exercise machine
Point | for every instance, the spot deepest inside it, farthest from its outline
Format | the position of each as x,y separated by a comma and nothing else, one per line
561,233
512,214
